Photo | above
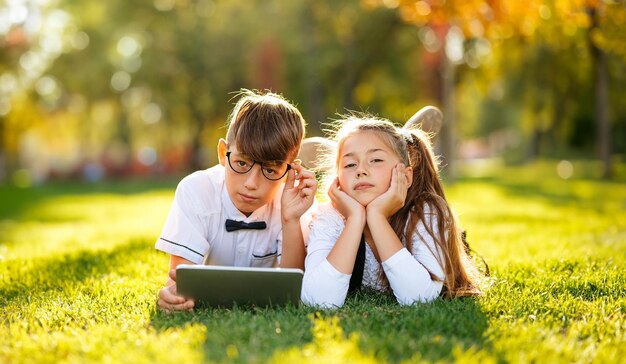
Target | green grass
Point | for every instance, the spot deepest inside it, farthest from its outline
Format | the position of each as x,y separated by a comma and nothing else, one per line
79,277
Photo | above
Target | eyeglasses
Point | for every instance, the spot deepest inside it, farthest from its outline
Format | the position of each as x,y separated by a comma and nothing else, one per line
273,170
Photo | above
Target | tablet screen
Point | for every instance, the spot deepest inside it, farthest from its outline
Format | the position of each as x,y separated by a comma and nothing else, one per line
220,286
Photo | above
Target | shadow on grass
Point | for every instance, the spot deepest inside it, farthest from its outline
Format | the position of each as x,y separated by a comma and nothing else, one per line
243,334
17,200
385,329
431,331
60,271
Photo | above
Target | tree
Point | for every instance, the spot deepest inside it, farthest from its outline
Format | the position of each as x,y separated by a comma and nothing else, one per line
32,37
504,21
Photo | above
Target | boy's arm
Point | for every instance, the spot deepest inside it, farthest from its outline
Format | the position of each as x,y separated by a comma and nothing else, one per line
293,245
295,201
175,261
168,298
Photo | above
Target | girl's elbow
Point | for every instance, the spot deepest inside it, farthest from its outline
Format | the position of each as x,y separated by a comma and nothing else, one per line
325,305
418,296
411,300
314,299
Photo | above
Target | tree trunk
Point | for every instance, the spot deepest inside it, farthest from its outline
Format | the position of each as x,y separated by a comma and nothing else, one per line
535,144
448,135
601,98
374,47
315,94
196,160
3,167
123,167
435,89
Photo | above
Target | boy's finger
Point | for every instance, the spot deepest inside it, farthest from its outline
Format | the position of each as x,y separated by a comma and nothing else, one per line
169,307
172,274
168,294
297,167
307,183
190,304
291,178
162,305
306,192
312,184
305,174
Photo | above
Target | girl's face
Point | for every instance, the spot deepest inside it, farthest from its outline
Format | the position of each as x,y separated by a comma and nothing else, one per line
364,166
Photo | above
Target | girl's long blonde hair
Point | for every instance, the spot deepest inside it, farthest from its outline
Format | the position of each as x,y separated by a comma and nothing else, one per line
414,149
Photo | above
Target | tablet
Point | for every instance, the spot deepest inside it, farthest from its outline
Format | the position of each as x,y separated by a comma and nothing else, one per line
220,286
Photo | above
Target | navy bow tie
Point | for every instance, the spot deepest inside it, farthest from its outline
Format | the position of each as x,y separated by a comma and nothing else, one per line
234,225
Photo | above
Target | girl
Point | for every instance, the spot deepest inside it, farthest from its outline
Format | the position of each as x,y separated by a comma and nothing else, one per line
389,226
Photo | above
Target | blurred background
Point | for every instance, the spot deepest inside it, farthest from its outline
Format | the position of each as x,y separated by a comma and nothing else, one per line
96,90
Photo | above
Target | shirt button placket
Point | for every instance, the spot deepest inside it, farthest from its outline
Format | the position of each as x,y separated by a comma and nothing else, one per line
241,249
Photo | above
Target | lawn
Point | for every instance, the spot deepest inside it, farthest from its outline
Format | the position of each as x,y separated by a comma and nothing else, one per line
79,276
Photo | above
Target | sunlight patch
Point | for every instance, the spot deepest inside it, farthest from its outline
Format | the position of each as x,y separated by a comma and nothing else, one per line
328,346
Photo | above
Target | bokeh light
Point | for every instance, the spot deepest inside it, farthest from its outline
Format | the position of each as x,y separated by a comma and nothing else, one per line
120,81
565,169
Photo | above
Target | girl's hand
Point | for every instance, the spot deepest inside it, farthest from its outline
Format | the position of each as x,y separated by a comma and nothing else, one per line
347,206
168,299
296,200
392,200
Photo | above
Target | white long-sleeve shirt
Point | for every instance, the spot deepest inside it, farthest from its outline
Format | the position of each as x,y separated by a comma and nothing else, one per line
408,273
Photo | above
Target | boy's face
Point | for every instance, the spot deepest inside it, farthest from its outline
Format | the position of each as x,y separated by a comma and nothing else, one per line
250,190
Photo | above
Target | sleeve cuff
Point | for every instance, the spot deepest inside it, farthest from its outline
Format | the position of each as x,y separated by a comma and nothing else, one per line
180,250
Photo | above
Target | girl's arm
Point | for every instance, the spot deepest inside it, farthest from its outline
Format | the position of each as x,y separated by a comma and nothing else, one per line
343,253
408,278
382,208
295,201
332,250
323,285
409,274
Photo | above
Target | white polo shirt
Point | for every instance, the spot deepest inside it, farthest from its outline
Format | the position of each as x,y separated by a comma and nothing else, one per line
195,227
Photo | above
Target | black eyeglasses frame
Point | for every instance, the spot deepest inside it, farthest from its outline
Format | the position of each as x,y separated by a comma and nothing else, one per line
260,164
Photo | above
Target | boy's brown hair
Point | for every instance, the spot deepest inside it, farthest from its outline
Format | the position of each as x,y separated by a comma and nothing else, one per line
265,126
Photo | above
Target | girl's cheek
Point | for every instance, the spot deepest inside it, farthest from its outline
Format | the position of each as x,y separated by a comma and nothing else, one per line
341,182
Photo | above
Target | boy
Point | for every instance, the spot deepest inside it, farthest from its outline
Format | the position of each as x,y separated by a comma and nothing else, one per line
246,210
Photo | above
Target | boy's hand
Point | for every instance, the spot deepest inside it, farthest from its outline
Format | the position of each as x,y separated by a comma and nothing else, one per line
393,199
168,299
347,206
296,200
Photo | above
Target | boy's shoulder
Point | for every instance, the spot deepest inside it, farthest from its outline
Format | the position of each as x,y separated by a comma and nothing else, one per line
210,175
206,181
